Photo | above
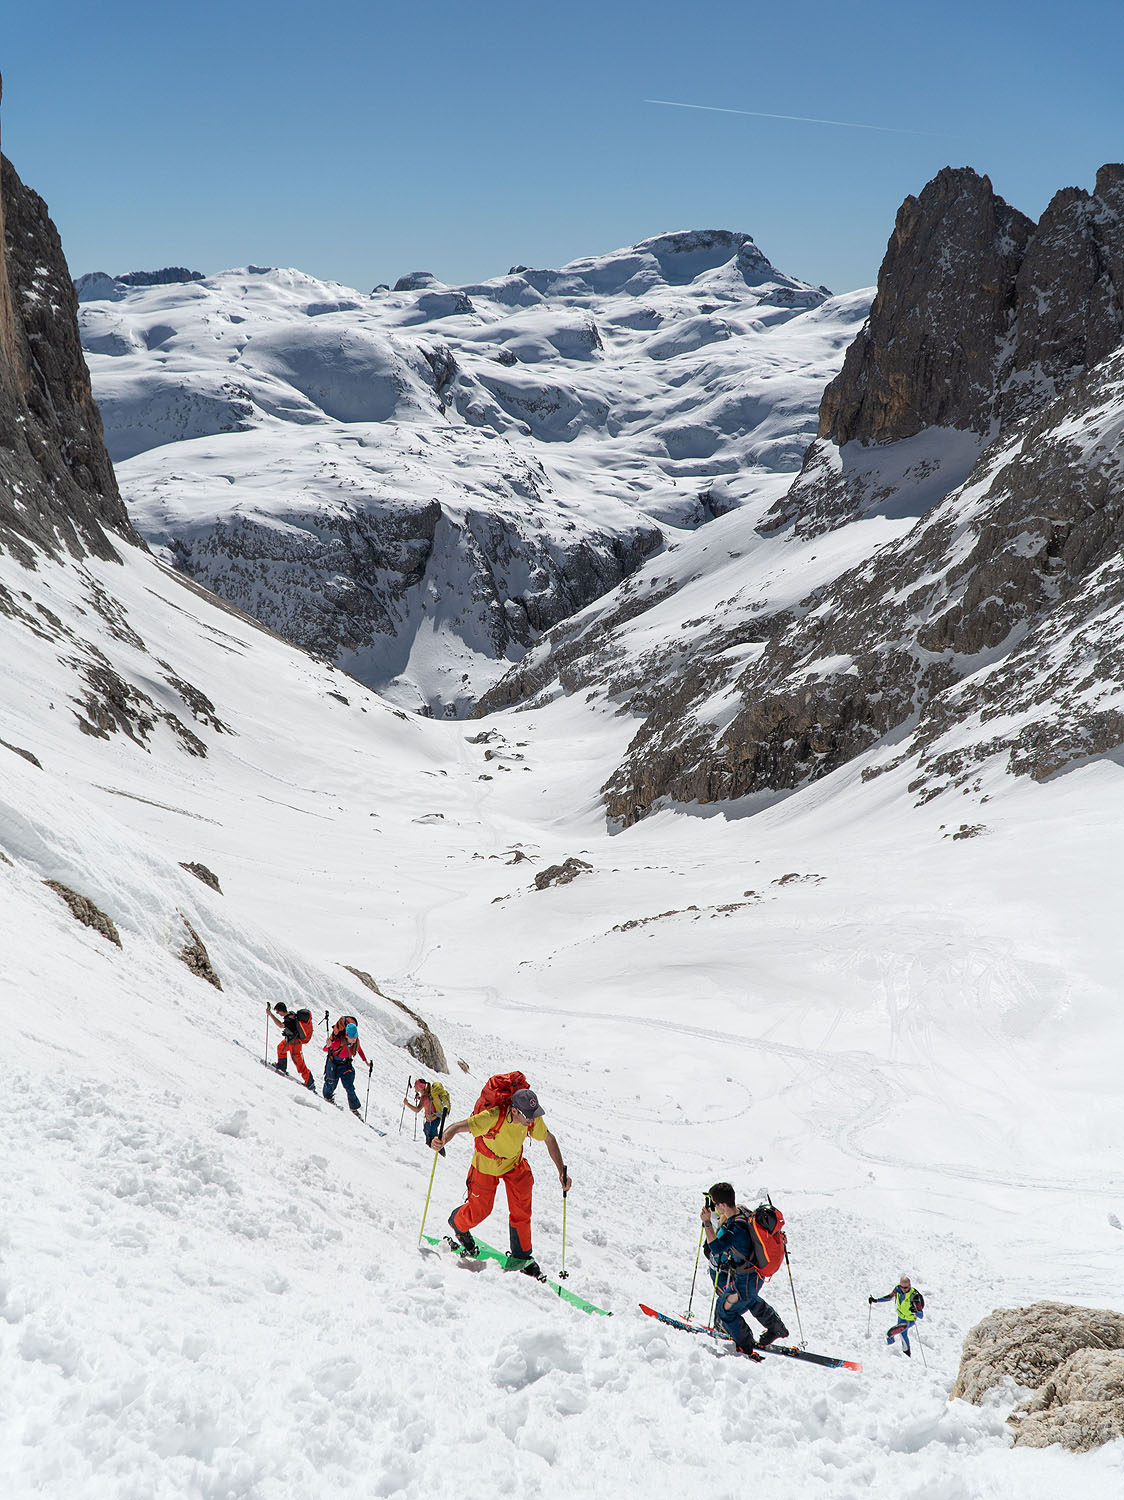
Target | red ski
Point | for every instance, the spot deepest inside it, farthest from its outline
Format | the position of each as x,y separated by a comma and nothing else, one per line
789,1351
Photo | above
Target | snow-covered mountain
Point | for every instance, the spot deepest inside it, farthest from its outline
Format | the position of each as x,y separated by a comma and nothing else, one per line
209,1281
418,483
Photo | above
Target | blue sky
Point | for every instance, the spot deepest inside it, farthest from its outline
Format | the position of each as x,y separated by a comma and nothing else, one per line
361,141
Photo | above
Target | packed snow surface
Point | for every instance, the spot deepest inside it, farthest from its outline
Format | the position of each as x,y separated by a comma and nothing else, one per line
209,1279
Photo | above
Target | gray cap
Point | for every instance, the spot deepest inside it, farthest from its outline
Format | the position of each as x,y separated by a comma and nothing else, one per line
526,1101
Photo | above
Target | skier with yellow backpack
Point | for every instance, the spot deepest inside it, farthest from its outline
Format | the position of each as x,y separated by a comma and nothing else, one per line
432,1100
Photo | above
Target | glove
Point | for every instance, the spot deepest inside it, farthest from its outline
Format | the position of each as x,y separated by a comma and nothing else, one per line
869,1298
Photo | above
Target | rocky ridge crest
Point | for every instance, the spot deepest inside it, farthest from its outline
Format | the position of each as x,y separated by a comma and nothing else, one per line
981,317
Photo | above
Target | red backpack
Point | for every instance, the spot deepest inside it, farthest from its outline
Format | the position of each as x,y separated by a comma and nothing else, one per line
768,1223
499,1089
497,1092
766,1229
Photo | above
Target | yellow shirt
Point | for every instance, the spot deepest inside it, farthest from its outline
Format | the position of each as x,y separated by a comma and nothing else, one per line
507,1143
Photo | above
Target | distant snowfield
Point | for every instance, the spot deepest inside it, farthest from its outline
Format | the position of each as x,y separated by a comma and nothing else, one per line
281,438
209,1284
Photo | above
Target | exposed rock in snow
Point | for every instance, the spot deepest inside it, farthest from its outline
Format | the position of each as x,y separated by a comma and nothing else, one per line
83,910
1072,1357
194,954
424,1045
201,872
1081,1406
562,874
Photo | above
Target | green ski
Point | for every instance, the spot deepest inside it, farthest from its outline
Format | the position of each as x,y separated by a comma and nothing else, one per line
486,1252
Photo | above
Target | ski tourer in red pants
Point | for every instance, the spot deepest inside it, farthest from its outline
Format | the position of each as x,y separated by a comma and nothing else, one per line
499,1136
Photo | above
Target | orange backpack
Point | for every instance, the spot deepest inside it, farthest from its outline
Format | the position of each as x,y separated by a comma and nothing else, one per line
340,1028
768,1225
497,1091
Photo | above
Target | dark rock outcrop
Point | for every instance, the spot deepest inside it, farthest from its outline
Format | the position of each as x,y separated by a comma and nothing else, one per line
981,317
946,292
25,754
166,276
83,910
319,569
425,1046
194,954
57,488
201,872
562,874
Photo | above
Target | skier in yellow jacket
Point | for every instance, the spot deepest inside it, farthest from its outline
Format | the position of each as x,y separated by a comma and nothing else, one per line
500,1131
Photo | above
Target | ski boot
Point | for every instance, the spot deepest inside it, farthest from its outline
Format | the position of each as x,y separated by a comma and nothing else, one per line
461,1240
774,1330
526,1264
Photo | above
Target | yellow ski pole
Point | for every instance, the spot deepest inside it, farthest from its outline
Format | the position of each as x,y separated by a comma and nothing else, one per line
432,1171
698,1253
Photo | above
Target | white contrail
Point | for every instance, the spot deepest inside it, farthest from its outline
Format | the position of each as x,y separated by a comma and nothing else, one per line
802,119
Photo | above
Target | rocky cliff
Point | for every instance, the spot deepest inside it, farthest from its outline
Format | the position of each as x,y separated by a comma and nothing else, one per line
981,317
57,489
983,626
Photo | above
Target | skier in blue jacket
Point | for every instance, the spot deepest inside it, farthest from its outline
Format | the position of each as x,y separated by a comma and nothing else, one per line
736,1259
910,1305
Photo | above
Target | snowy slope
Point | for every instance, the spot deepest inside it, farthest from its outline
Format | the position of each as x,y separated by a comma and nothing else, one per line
418,482
209,1280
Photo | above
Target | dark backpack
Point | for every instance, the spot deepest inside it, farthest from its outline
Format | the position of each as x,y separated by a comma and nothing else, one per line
298,1026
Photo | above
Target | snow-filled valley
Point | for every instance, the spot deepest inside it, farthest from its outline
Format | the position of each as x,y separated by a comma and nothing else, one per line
210,1278
881,987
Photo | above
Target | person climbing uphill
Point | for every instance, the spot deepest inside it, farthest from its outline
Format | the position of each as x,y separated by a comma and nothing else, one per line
343,1044
432,1100
297,1026
747,1247
507,1112
910,1307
